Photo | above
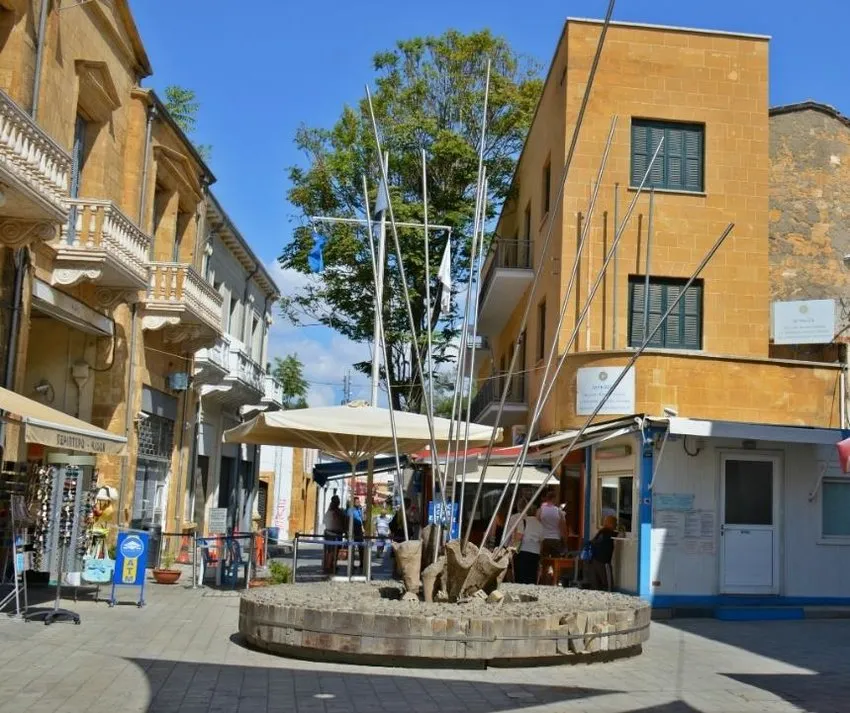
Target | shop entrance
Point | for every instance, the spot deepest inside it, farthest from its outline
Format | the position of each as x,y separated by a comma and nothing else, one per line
749,524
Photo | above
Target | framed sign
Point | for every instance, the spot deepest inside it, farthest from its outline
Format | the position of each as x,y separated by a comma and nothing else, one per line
592,385
803,322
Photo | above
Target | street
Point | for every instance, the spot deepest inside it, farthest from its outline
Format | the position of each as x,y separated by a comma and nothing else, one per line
181,653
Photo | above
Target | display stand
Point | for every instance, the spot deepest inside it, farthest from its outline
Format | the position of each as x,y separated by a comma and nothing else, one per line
48,616
18,522
131,554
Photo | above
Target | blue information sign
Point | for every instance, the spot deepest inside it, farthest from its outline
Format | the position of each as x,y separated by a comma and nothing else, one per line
131,556
442,516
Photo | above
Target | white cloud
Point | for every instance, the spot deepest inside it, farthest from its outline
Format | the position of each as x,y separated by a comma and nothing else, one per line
326,355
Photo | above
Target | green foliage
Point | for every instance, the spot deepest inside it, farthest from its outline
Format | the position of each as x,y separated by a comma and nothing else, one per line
183,106
429,95
289,371
167,560
279,573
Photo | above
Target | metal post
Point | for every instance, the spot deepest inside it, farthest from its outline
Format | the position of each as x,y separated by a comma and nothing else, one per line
614,267
710,254
379,287
544,247
646,270
295,557
195,559
250,562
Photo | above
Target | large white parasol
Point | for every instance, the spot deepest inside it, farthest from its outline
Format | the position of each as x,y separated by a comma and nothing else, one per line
351,433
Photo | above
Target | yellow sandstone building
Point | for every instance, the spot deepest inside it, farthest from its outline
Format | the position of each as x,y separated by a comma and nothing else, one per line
134,303
716,452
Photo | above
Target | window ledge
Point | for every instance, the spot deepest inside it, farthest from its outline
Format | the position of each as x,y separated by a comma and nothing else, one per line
671,191
662,350
840,541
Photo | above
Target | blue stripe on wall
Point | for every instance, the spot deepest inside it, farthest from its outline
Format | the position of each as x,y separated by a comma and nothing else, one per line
645,534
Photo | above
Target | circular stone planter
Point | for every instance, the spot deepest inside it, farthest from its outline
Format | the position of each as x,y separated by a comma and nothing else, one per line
369,624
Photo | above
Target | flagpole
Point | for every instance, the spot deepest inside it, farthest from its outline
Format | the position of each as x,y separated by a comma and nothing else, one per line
428,318
379,290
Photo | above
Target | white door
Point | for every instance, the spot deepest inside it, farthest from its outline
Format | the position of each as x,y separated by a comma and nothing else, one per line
749,524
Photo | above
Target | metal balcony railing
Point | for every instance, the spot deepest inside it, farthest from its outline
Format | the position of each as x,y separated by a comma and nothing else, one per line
490,393
506,254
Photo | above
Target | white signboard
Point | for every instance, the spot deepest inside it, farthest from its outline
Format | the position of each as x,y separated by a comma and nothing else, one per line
217,522
803,322
592,383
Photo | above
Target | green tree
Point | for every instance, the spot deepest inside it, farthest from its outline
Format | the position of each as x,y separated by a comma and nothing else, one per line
289,371
183,106
429,95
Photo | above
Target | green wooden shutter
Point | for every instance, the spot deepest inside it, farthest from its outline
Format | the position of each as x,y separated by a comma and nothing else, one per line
674,151
640,142
693,168
692,318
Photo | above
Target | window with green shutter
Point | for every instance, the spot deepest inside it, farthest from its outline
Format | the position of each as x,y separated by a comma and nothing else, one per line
680,162
683,328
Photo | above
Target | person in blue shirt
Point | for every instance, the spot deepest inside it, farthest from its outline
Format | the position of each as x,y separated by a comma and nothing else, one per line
355,513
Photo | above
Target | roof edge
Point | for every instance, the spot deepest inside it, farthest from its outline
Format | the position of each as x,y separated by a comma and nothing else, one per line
810,105
671,28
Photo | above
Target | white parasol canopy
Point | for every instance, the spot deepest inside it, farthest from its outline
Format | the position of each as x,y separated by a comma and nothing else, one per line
351,432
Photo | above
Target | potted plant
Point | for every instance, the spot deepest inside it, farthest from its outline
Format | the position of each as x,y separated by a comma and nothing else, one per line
164,574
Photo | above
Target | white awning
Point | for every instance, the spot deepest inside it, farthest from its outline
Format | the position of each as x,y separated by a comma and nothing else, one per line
680,426
49,427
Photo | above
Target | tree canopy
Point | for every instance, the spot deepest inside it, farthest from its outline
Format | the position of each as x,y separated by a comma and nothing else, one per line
289,371
183,105
429,95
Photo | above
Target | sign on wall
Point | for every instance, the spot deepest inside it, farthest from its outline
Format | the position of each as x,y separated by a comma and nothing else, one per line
803,322
593,383
217,521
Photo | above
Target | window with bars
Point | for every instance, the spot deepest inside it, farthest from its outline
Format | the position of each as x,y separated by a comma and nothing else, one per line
682,329
680,163
156,437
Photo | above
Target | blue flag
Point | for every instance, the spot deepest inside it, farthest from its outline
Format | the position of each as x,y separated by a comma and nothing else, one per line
315,259
382,202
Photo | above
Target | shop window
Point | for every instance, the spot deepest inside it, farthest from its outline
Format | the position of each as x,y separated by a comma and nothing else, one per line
682,329
680,162
835,509
615,497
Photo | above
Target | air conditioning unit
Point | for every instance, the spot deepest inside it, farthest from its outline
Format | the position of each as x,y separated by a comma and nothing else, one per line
178,381
518,435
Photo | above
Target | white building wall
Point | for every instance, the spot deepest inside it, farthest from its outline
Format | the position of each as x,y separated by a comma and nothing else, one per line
278,460
807,566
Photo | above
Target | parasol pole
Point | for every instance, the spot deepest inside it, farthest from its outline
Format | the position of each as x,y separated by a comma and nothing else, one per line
379,317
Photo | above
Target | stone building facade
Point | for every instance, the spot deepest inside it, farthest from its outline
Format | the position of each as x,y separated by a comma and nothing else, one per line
110,244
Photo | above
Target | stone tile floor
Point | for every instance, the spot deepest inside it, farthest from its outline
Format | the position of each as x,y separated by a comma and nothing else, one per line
179,653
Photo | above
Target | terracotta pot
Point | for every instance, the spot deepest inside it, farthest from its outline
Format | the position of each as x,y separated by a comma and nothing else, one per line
258,583
166,576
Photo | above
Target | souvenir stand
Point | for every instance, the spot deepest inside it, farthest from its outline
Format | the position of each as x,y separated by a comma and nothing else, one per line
65,543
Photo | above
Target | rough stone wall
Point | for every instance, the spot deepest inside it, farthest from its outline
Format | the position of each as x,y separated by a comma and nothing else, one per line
810,208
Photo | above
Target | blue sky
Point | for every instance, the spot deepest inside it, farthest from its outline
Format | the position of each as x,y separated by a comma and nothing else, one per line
263,67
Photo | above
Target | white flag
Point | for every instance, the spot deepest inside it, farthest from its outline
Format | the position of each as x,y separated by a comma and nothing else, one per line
444,275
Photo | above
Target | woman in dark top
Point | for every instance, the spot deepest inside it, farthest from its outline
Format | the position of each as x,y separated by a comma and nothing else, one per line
599,575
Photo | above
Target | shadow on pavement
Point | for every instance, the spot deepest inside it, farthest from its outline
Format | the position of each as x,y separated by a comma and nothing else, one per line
203,688
797,643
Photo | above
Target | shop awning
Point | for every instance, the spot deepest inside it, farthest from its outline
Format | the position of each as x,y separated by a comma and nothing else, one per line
340,470
499,474
680,426
50,427
554,444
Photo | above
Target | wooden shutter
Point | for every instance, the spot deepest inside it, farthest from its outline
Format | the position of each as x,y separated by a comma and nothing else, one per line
657,307
658,174
639,158
692,318
674,151
635,313
693,158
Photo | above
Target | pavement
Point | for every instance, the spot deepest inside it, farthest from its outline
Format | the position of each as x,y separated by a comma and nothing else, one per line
181,653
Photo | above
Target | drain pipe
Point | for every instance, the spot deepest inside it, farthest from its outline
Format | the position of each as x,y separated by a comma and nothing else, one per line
143,193
39,56
128,413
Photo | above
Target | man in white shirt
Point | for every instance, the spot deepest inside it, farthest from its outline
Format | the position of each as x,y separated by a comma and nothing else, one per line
527,538
554,521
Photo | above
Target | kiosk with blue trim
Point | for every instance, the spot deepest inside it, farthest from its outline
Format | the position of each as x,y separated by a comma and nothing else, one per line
130,559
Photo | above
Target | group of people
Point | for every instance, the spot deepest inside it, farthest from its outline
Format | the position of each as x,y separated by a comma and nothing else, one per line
539,532
337,523
542,532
